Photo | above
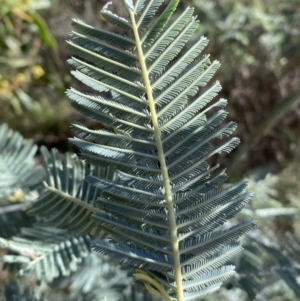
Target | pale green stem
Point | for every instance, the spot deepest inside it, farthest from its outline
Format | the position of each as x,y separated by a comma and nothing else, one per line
159,290
162,161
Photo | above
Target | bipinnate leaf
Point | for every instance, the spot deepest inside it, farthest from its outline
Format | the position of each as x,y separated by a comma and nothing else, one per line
68,201
18,171
164,209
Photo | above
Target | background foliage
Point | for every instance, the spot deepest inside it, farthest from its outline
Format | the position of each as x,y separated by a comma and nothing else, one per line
258,45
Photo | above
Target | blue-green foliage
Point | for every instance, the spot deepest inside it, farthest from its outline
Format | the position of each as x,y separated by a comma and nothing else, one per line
19,176
17,167
136,213
68,201
55,252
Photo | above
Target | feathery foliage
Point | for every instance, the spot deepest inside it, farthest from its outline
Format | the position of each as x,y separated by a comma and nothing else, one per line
97,278
19,178
269,262
268,267
17,168
67,200
263,266
48,252
151,187
163,209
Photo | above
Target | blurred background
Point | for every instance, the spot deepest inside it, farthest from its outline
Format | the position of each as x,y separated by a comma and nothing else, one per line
258,45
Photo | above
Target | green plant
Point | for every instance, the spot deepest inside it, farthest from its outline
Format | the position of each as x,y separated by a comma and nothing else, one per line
257,43
56,259
144,177
17,168
266,269
269,265
162,212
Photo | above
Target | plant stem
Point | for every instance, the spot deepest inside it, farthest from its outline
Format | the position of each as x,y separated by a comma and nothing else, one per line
162,161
